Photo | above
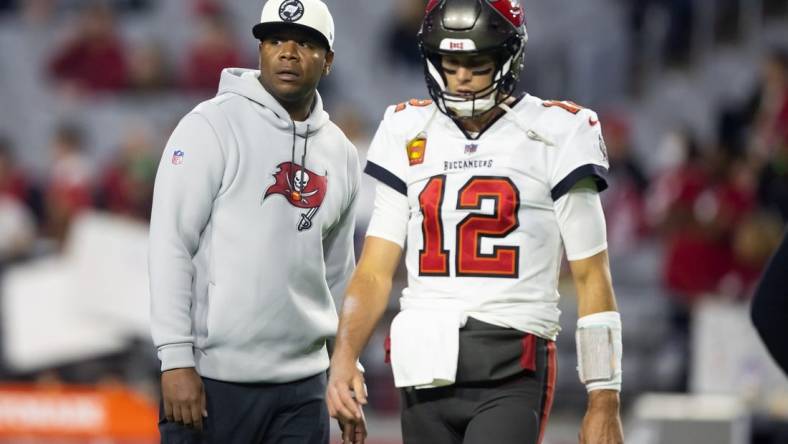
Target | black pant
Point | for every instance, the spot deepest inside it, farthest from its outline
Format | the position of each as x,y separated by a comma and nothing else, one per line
501,411
291,413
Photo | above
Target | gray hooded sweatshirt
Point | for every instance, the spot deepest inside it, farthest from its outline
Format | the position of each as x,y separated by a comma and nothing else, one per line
251,233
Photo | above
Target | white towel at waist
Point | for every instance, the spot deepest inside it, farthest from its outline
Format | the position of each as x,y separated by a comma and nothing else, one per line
425,345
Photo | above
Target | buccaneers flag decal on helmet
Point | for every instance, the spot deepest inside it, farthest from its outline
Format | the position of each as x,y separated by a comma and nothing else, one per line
302,188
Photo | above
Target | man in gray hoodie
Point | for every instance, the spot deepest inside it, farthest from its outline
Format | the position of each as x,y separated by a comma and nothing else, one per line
251,234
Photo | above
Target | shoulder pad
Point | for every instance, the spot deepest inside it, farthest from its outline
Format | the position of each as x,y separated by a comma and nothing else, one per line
560,118
408,116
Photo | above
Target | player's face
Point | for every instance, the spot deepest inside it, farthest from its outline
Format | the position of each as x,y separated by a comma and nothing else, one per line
466,75
292,62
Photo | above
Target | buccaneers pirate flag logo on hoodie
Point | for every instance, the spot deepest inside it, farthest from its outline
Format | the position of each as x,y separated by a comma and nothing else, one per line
302,188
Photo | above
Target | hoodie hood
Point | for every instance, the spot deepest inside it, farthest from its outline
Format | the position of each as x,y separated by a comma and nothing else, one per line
246,83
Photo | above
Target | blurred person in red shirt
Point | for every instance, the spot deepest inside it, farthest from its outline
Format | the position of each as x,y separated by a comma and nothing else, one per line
698,205
94,59
214,50
127,184
69,188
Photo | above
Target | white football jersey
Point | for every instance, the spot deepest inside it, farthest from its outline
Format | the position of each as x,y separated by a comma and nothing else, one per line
482,230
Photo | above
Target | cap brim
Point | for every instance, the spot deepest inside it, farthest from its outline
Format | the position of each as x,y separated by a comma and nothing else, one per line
261,30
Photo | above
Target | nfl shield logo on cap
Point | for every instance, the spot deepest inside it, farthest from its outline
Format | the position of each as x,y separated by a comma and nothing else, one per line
291,11
311,15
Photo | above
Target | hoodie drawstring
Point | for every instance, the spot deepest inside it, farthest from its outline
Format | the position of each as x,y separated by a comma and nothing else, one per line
303,158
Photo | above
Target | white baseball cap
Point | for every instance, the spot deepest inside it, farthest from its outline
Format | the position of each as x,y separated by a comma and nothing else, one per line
312,15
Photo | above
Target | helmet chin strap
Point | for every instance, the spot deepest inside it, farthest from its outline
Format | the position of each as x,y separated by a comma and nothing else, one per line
469,108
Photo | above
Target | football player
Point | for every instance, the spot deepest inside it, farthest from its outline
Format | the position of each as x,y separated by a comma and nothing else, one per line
488,190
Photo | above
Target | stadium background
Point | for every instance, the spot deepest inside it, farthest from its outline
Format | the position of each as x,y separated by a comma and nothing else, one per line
693,98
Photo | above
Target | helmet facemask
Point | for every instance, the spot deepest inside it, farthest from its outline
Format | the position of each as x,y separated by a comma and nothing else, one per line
508,64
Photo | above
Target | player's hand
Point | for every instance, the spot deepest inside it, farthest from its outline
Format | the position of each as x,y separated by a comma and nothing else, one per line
602,423
184,397
346,392
354,432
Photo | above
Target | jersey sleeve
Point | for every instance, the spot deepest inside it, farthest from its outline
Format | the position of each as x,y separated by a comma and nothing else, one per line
390,216
386,160
581,221
582,155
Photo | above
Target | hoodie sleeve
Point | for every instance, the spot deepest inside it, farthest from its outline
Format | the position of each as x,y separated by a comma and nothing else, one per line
338,248
187,182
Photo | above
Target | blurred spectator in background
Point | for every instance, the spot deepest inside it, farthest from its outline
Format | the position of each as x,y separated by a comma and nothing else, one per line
17,227
94,59
698,205
148,69
773,183
69,189
38,12
127,183
214,50
770,127
13,182
754,240
705,238
624,204
401,39
768,142
678,36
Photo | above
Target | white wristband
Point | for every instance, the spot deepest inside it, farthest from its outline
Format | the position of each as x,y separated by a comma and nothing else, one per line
599,350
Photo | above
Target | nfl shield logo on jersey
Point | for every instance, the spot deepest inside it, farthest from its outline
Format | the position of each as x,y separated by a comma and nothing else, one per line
471,148
177,157
602,147
416,149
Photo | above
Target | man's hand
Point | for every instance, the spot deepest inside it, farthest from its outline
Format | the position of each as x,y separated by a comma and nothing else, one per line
354,432
184,397
346,392
602,423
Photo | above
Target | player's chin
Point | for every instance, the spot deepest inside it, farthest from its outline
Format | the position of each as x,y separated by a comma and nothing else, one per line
291,91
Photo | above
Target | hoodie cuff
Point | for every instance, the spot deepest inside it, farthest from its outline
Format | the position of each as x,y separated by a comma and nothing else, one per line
176,356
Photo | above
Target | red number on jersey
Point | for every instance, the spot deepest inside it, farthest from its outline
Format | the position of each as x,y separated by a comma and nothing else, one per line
503,261
470,261
433,259
572,107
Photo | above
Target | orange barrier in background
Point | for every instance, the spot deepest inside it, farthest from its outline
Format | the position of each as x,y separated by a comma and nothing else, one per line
111,412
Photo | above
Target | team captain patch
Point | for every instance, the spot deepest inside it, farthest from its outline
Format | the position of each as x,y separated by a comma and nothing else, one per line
416,149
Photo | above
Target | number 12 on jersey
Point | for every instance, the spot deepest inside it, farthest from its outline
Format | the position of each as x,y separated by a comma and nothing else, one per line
469,260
